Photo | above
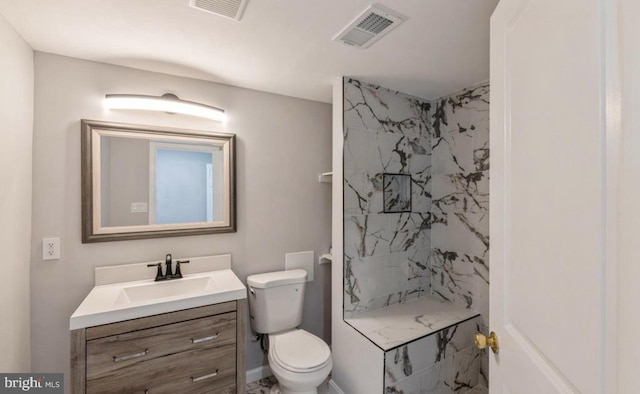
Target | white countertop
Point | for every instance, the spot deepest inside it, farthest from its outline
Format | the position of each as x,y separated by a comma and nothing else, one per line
401,323
206,280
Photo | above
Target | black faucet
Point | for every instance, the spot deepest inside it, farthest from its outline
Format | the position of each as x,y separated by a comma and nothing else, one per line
178,274
169,274
159,275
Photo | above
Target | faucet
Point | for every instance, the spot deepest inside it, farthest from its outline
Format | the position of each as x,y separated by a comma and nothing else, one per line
169,274
167,262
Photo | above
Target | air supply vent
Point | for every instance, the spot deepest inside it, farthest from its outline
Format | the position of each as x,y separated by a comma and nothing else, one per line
370,26
231,9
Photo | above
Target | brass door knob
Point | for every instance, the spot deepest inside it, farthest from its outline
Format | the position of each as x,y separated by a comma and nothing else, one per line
482,341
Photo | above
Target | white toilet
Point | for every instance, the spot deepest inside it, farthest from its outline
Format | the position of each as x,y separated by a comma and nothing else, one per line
298,359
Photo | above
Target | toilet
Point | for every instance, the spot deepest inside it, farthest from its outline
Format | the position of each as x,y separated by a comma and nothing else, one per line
299,360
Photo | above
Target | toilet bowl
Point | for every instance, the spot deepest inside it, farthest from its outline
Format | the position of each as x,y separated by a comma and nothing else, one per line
299,360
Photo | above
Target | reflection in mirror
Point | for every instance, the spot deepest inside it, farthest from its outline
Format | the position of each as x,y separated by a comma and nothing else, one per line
153,182
147,181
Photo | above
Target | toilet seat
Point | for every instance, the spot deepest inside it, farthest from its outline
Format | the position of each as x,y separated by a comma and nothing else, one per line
299,351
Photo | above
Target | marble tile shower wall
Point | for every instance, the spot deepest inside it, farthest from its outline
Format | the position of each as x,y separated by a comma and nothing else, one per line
460,198
459,259
386,255
442,245
444,362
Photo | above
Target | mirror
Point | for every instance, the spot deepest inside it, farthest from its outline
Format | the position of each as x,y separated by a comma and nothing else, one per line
148,182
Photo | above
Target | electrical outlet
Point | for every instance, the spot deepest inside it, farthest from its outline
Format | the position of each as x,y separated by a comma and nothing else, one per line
51,248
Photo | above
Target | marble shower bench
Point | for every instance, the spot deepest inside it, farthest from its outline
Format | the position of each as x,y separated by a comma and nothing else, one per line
427,345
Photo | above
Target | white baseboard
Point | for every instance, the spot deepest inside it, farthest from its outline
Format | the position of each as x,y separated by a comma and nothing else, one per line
258,373
334,388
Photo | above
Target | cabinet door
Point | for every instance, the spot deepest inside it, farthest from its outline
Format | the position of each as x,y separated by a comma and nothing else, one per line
192,372
107,356
192,356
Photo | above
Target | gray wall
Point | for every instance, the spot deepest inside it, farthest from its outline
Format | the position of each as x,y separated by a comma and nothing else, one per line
128,180
105,181
283,143
16,123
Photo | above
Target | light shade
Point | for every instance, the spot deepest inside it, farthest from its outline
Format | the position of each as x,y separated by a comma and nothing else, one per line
167,103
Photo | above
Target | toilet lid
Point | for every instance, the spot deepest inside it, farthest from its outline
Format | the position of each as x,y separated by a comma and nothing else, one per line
300,351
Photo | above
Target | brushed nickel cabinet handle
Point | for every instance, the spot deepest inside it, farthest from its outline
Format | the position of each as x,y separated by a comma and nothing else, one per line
203,377
130,356
205,339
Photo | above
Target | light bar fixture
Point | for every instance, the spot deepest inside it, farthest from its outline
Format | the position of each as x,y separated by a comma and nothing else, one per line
167,103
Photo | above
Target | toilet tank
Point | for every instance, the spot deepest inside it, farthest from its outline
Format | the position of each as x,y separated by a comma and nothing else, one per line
275,300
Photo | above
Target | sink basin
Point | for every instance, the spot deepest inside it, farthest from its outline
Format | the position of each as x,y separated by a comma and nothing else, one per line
114,298
159,290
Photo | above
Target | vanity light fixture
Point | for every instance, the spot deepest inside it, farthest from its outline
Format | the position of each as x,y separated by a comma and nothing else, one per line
166,103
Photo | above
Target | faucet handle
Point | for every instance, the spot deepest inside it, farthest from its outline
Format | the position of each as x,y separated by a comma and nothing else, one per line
178,274
159,275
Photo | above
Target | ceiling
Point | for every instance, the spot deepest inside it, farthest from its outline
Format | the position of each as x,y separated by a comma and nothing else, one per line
279,46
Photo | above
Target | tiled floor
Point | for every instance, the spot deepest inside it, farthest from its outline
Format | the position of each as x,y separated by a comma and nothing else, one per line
263,386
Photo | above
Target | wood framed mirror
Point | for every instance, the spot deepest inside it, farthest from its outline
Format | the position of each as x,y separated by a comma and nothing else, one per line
150,182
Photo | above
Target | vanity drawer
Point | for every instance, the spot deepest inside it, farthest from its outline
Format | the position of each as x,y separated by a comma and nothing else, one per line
116,353
193,372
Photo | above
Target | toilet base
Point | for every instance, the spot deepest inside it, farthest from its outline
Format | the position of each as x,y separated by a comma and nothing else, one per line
275,389
294,380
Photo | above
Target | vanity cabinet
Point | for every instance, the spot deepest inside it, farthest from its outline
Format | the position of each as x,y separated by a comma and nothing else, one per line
198,350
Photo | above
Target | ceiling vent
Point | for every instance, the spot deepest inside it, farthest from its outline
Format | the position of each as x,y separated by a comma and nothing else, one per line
370,26
231,9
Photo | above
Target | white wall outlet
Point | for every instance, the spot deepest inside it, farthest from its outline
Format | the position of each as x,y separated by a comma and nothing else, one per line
51,248
138,207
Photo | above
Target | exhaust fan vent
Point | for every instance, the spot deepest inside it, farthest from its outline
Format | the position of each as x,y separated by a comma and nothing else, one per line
370,26
374,23
231,9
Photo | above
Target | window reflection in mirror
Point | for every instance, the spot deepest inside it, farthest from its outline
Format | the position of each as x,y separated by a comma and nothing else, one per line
182,185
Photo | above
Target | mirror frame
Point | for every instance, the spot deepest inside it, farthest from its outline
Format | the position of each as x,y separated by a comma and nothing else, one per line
91,229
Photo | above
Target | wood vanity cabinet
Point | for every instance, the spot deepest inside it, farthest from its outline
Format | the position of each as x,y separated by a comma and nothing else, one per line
192,351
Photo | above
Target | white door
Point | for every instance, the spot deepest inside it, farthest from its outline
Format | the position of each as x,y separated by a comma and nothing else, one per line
549,190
